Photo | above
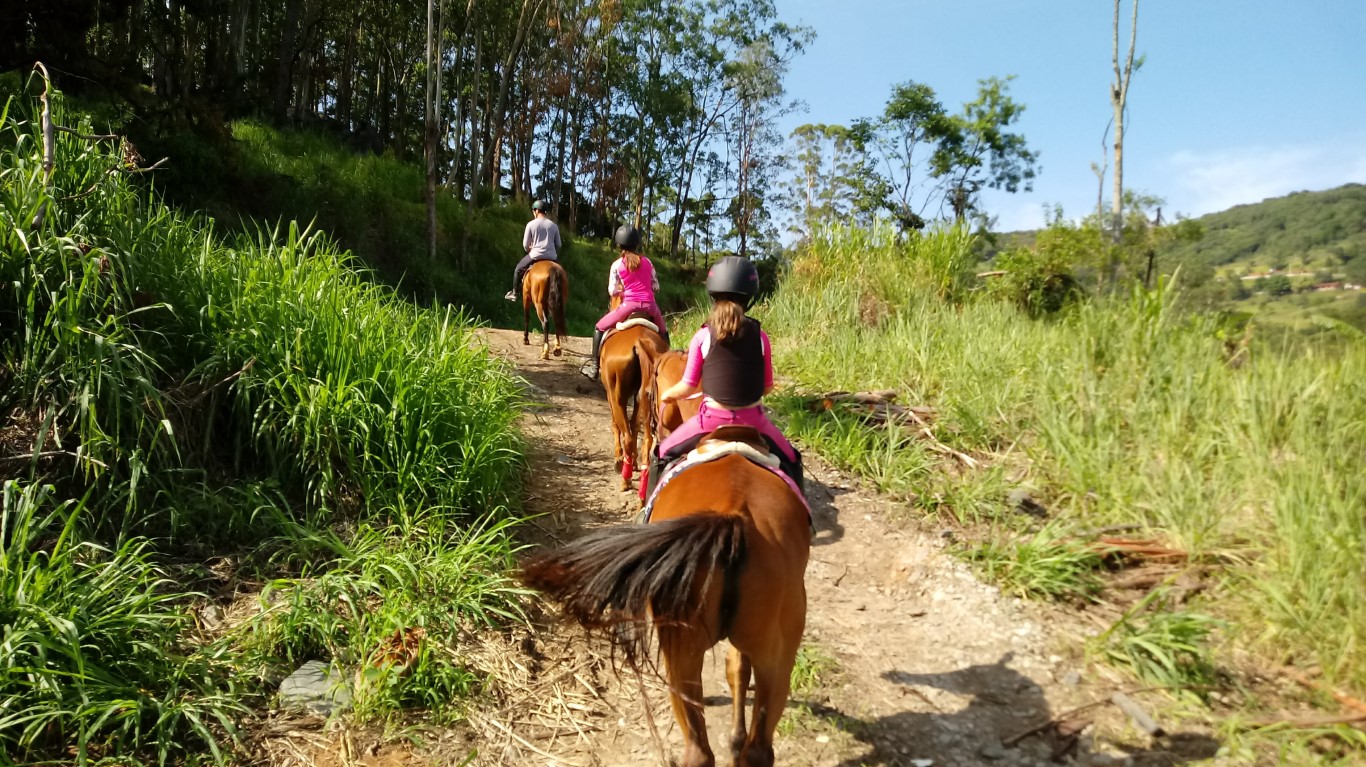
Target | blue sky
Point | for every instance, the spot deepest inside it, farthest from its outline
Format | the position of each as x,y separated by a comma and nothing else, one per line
1237,100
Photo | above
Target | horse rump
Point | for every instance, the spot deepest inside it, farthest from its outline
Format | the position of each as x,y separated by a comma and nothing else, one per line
614,576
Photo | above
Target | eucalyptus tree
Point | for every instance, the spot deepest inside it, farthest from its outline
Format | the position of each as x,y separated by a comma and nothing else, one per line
833,177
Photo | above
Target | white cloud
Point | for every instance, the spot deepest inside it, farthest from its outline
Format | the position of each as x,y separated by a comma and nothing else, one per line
1214,181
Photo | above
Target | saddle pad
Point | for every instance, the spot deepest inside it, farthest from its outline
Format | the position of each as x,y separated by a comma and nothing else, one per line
624,324
710,451
719,450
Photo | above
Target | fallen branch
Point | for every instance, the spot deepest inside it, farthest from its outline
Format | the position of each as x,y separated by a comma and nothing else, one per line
1069,714
1306,722
1341,697
1148,548
88,137
995,273
153,166
1140,717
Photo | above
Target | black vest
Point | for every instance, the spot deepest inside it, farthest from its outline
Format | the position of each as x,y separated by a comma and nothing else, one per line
733,371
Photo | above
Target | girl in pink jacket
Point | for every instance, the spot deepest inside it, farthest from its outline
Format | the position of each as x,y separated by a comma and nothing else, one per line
633,278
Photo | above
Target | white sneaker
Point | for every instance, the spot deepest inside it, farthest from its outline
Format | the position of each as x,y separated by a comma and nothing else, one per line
509,296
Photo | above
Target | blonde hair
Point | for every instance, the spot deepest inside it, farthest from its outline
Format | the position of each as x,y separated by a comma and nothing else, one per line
725,318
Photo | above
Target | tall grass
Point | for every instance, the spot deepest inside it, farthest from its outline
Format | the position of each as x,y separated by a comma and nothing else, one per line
1127,412
250,398
92,651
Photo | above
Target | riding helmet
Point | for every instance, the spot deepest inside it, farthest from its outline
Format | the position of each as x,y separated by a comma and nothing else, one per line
734,276
627,238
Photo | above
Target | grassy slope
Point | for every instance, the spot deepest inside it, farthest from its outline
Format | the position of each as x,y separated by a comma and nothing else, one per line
373,206
1120,412
188,411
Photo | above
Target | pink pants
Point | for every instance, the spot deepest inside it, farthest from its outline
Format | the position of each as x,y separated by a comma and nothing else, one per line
708,418
622,312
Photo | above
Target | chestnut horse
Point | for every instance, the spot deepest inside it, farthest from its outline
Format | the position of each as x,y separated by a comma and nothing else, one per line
625,362
723,557
546,285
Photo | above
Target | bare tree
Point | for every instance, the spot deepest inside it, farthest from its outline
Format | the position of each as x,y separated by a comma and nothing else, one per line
1119,96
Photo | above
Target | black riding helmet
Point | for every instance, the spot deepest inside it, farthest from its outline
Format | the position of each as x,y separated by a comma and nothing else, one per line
735,278
627,238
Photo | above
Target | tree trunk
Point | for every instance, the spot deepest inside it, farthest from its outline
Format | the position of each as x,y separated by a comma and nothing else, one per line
429,129
492,149
284,61
1119,95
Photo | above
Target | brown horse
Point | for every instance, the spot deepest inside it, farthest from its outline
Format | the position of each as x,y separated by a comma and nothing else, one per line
625,362
546,285
723,557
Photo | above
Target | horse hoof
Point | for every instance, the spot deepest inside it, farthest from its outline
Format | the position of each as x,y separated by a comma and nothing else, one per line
526,342
557,351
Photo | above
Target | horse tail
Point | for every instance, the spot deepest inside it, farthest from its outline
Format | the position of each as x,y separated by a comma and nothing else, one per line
611,577
559,280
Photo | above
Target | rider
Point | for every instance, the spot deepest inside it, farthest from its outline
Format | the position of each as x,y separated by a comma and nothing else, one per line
730,361
633,278
540,240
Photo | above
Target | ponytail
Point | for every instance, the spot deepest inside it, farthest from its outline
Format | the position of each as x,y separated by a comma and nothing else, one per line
725,319
630,260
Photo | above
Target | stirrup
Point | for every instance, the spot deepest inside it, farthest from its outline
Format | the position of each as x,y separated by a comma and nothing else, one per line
509,296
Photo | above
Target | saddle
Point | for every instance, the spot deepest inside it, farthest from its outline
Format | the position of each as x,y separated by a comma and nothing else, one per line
637,318
731,439
736,438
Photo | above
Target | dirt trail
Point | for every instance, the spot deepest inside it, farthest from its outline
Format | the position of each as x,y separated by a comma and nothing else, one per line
923,664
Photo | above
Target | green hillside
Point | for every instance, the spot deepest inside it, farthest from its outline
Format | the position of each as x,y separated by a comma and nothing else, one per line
1317,231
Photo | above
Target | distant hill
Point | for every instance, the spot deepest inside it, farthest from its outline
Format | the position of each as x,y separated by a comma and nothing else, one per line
1306,230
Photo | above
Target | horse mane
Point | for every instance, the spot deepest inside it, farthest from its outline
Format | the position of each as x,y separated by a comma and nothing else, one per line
613,576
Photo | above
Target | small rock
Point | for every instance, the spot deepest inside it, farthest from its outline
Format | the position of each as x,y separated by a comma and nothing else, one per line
922,763
564,460
317,687
822,738
993,750
1071,679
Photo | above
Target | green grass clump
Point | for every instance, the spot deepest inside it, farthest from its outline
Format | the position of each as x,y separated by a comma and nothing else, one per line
92,646
1044,565
1125,410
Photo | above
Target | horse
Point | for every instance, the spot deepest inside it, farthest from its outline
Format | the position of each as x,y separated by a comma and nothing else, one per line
723,556
546,285
625,361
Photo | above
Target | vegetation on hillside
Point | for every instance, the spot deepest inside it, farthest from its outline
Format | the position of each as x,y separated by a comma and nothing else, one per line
1309,231
187,411
1118,410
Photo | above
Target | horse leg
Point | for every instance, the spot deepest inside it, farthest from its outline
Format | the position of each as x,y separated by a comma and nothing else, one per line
772,685
544,311
558,311
683,658
526,316
611,381
737,676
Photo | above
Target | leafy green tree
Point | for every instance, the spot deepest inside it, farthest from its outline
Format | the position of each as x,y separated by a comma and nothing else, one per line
978,150
913,123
